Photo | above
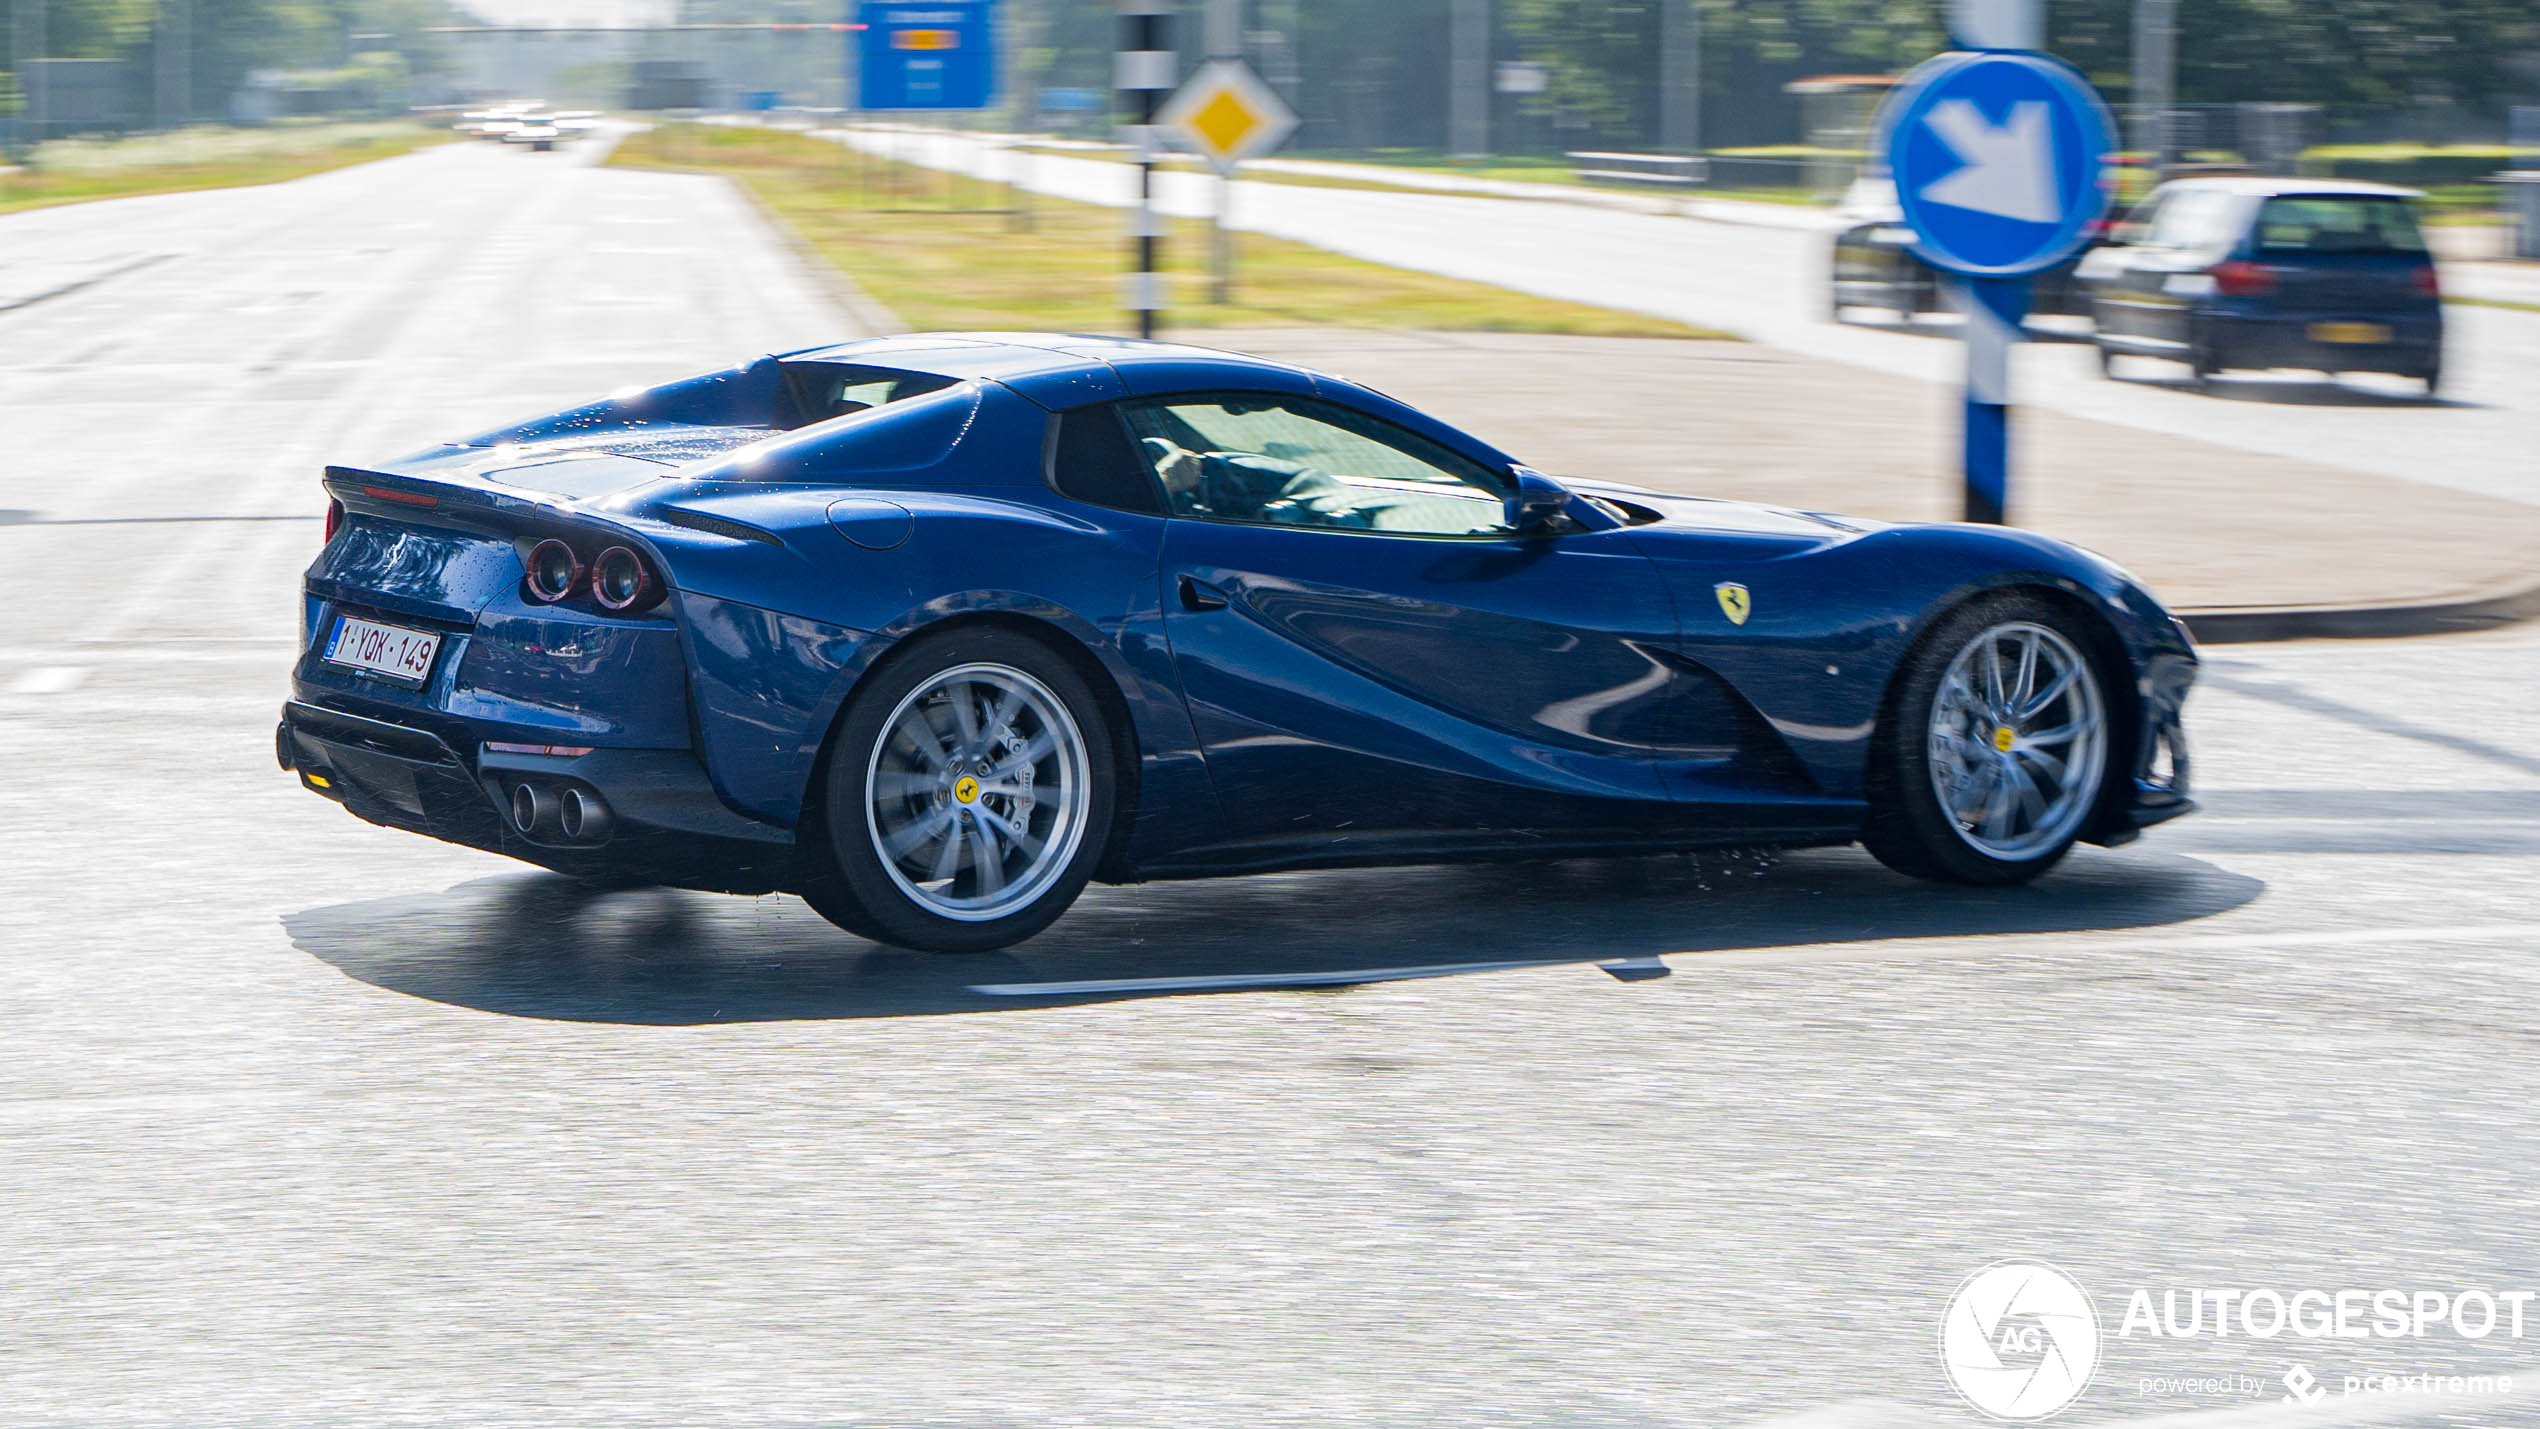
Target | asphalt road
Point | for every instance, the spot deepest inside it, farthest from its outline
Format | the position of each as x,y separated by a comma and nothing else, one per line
1768,283
304,1122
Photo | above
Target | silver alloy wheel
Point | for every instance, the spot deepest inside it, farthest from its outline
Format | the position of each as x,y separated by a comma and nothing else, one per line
977,791
2019,741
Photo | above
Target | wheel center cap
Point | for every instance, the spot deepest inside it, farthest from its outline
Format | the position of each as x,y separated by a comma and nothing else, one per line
2002,738
966,789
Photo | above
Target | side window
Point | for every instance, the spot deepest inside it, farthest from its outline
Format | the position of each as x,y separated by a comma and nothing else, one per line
1092,460
1294,461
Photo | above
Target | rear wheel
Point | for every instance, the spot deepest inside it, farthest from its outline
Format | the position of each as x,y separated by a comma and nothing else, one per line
967,798
2201,367
1996,752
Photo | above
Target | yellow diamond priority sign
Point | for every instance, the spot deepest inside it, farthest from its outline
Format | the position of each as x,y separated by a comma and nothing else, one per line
1226,114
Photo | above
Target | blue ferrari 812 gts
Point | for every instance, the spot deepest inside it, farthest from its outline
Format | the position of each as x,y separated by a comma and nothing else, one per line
934,629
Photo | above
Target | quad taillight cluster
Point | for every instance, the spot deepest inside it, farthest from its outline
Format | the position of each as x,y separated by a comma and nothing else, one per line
619,579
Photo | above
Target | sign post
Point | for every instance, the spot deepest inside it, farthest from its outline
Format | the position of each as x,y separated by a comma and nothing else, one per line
1140,72
1226,114
1997,157
925,56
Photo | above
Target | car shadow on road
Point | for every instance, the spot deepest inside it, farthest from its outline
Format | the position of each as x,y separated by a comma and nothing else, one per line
2279,391
536,945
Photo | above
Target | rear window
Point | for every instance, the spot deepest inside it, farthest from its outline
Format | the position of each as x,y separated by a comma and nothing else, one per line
2338,223
823,390
907,435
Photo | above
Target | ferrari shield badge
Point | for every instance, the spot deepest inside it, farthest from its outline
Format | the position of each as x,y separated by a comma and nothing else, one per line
1735,603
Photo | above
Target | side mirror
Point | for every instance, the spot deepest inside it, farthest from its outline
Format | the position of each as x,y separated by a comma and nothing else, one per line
1538,503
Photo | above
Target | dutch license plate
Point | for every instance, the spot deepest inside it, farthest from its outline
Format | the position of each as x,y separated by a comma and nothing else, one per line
2349,332
390,650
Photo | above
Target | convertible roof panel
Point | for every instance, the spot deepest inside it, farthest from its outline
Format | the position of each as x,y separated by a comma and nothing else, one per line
1067,369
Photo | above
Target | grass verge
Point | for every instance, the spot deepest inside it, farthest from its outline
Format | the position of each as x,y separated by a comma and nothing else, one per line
80,170
2507,304
928,245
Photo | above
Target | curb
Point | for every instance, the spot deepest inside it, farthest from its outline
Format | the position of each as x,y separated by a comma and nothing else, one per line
861,307
2237,625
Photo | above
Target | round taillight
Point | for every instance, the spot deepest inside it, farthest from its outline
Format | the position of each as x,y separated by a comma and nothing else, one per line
621,581
334,517
554,571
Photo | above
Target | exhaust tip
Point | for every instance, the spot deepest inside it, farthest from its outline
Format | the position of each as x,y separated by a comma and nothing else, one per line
553,571
584,815
532,808
283,754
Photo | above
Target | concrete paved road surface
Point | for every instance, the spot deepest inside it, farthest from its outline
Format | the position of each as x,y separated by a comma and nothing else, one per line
304,1122
1768,283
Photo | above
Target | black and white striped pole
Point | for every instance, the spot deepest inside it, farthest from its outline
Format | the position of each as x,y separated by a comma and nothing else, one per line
1142,73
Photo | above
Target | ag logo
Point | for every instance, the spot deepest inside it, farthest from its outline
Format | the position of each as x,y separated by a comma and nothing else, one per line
2019,1340
1735,603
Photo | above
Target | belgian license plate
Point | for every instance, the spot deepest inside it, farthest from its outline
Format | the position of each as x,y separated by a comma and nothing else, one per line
391,650
2349,332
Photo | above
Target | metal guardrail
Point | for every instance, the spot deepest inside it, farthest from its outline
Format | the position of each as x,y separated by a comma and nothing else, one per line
1609,167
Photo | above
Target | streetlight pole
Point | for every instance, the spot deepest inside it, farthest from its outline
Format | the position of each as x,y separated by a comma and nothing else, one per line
2155,78
1680,78
27,43
1468,79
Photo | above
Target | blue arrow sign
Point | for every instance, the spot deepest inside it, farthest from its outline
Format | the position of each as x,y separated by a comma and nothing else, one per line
1997,159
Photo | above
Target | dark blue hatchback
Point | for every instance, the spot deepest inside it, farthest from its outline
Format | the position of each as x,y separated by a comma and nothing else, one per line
934,629
2227,273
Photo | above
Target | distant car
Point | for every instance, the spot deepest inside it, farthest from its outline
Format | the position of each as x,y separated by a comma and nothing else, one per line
933,629
1874,264
536,135
2224,273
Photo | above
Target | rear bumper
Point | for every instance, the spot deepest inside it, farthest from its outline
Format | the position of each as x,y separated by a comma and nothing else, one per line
663,822
2286,341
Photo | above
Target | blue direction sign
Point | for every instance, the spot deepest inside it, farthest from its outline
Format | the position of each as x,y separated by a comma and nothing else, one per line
927,54
1997,158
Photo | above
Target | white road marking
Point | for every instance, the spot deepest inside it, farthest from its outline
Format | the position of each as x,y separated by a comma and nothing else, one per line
50,680
1217,982
1981,945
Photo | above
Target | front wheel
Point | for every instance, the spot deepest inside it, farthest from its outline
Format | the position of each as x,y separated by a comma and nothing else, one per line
968,795
1996,751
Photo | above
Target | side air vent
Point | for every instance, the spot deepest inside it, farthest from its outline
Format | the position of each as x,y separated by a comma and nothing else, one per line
723,526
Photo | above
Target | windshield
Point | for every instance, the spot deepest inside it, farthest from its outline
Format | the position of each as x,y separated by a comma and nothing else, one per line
2189,218
2338,223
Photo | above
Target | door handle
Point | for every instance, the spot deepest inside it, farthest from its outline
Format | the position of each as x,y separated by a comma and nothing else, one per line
1200,595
